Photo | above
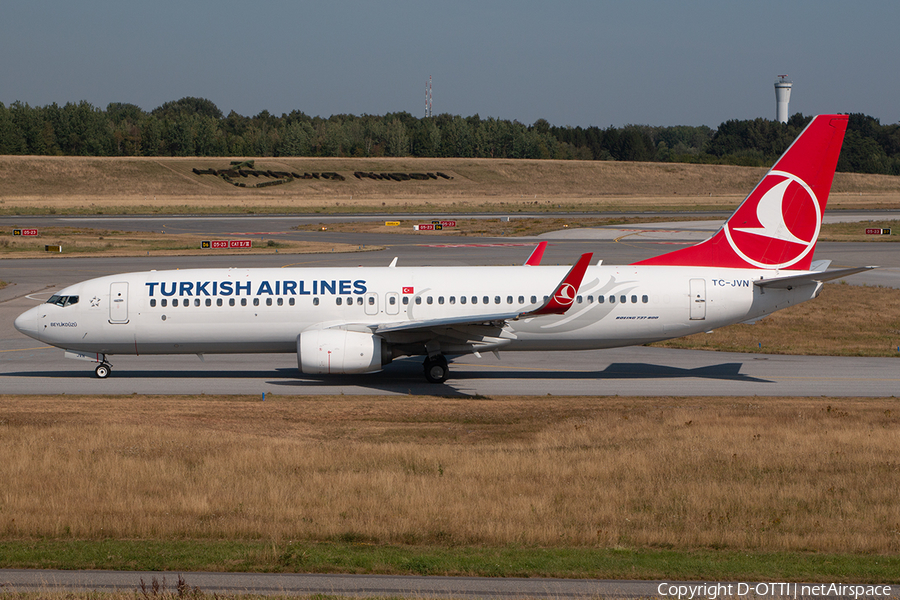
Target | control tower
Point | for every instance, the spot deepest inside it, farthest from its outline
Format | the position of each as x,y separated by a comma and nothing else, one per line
782,98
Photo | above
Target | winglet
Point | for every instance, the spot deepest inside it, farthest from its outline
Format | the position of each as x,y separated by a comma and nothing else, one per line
536,256
564,294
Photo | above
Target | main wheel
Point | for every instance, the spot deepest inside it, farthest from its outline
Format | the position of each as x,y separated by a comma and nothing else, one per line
436,369
102,371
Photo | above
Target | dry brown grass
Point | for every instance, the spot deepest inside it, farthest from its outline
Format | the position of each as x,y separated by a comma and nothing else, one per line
167,184
845,320
745,473
105,242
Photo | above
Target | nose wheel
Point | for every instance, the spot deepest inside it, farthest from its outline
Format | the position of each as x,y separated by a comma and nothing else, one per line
436,369
103,370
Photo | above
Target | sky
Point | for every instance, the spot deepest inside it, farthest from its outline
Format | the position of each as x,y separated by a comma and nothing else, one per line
571,62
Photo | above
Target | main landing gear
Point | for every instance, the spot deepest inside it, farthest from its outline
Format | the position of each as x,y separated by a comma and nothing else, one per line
436,369
103,370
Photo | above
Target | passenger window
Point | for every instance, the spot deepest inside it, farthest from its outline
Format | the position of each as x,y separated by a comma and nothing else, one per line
623,299
231,301
418,299
452,299
280,302
474,299
496,299
534,299
462,299
243,302
521,299
601,299
634,299
268,302
392,300
645,299
405,300
338,300
486,300
579,299
371,300
590,299
152,302
509,300
440,299
163,303
209,301
430,300
174,301
315,301
256,301
218,302
612,299
290,301
196,302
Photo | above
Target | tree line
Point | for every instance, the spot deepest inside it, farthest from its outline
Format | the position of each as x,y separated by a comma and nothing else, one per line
197,127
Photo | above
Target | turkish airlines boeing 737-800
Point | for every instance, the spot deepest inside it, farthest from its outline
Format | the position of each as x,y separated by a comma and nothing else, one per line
355,320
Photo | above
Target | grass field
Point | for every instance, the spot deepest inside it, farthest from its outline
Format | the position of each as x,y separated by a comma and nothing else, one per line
62,185
658,486
106,242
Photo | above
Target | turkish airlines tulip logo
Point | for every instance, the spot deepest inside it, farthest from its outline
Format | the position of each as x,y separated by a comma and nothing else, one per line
566,294
781,227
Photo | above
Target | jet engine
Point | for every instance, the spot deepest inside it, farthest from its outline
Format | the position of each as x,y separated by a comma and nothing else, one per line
340,351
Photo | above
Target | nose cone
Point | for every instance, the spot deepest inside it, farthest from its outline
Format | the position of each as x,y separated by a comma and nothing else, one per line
27,322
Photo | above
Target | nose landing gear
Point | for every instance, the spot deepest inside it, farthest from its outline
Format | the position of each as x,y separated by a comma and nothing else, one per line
103,370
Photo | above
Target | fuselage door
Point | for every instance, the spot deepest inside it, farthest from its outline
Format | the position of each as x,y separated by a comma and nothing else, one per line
371,301
118,302
392,303
698,299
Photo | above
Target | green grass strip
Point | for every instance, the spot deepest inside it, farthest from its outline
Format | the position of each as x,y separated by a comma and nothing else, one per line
339,557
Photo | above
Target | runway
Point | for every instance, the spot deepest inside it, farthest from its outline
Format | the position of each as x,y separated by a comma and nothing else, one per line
31,581
27,367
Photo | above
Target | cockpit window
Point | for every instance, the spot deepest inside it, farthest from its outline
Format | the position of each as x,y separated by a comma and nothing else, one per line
63,300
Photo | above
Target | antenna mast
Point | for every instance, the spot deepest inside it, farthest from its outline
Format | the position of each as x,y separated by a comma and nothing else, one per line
428,98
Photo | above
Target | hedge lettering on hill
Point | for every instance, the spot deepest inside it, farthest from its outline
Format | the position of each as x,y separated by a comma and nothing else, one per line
243,170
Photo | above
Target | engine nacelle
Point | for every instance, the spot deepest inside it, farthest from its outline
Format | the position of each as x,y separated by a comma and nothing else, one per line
340,351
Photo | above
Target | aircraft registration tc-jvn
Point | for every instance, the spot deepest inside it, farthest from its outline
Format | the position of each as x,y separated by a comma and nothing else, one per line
356,320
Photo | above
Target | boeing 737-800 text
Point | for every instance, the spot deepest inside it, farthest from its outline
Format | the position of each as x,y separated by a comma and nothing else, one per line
355,320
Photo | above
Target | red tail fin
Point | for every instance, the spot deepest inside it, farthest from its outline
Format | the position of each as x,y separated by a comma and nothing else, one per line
777,225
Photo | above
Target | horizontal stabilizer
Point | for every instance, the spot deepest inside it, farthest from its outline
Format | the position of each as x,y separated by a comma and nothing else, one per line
793,281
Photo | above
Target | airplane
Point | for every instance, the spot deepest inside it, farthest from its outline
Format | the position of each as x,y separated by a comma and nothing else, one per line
358,319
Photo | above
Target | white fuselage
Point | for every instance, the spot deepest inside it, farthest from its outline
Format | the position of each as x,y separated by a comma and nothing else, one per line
264,310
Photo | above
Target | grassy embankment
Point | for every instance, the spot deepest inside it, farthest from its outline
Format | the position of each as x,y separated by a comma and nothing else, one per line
721,489
76,185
